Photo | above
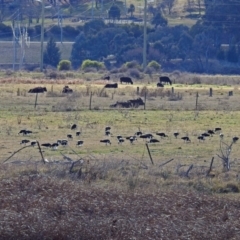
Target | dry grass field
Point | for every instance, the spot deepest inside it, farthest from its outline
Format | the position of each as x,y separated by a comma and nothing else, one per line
115,191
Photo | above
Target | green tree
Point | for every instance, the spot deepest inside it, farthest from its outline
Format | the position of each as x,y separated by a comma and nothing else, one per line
52,54
131,9
114,12
232,54
224,16
78,53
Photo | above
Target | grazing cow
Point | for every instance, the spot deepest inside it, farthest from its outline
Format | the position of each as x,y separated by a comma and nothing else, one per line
38,90
79,143
165,79
217,129
111,85
66,89
136,102
124,104
160,84
126,80
106,78
78,133
107,141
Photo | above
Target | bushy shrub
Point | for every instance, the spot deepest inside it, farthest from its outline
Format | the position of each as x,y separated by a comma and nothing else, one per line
70,31
64,65
134,72
155,65
132,64
92,64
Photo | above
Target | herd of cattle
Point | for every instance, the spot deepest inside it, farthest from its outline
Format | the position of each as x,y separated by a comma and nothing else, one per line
133,103
162,80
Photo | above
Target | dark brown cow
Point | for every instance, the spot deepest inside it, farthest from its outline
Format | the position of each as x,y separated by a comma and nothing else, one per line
126,80
165,79
66,89
38,90
111,85
160,84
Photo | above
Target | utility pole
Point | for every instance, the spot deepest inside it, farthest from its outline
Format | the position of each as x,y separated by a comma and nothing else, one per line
42,35
60,21
145,36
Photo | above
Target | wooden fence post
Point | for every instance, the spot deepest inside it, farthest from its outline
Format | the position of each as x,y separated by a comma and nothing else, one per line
145,99
36,100
210,92
197,101
90,102
137,90
149,154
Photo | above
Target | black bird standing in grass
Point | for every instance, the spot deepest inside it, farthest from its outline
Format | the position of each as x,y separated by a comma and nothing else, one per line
186,139
74,127
79,143
106,141
235,139
176,134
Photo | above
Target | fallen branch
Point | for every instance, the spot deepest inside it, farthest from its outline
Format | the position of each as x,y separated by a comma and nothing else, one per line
166,162
16,152
189,169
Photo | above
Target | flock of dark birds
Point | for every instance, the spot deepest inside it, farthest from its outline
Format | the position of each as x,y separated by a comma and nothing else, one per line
148,137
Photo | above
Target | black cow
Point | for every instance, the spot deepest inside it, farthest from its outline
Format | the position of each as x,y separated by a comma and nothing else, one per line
106,78
160,85
165,79
111,85
126,80
66,89
136,102
38,90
